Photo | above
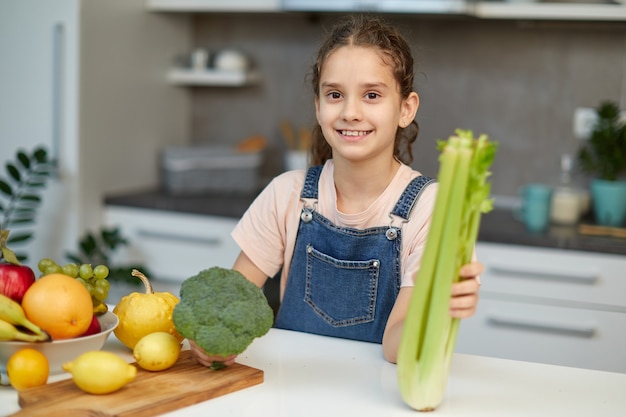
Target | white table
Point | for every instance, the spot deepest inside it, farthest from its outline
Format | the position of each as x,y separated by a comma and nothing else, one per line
308,375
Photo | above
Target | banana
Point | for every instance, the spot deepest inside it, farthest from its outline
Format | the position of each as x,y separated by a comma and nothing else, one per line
13,313
10,332
100,308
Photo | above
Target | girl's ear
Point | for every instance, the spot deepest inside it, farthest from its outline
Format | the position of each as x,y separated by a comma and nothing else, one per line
409,109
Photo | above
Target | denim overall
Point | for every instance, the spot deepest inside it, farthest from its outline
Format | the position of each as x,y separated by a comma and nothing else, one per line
343,282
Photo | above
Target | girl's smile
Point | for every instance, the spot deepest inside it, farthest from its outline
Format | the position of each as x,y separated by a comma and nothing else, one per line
354,135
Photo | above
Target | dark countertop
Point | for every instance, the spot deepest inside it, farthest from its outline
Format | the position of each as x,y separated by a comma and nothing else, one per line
498,226
227,205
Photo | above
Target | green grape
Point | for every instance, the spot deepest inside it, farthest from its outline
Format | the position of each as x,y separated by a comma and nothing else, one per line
90,288
82,281
99,293
70,269
53,269
44,263
85,271
103,283
101,271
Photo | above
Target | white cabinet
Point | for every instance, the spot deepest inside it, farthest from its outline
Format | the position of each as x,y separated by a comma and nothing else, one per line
535,10
174,245
86,80
552,306
214,5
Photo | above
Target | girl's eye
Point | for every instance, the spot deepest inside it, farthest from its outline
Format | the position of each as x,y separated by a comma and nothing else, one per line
372,96
334,95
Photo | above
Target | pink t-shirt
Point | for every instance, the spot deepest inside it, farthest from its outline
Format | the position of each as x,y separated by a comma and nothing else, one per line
267,231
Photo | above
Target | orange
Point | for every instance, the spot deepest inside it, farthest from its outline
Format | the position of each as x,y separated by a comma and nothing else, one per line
27,368
60,305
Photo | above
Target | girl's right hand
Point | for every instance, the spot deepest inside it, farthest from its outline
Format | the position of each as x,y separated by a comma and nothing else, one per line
203,359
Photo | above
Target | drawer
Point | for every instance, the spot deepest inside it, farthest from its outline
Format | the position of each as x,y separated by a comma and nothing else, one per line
538,333
174,246
598,279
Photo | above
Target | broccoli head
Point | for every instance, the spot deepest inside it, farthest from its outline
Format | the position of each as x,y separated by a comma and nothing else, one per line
222,311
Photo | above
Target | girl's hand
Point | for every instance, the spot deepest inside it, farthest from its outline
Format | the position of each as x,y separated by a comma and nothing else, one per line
465,292
203,359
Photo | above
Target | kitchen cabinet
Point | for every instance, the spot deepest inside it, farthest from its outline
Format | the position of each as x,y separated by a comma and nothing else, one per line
175,246
212,77
85,79
515,10
529,10
553,306
213,5
388,6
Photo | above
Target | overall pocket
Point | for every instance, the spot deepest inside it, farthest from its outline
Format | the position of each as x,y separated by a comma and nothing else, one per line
342,292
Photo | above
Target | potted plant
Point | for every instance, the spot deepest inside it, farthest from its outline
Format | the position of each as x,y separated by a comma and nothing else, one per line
603,157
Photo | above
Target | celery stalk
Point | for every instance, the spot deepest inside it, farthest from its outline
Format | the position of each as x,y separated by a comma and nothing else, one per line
429,333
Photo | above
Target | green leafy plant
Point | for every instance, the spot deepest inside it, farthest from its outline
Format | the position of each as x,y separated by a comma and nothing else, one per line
20,194
98,248
604,154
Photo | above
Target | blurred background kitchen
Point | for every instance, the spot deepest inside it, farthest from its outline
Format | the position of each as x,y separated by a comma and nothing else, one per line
119,90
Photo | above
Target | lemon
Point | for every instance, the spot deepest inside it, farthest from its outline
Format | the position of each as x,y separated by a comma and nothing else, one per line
100,372
157,351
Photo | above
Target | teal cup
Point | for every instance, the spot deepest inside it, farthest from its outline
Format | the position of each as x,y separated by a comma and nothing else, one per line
535,208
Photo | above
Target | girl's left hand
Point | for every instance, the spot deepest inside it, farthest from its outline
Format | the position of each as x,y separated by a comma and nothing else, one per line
465,292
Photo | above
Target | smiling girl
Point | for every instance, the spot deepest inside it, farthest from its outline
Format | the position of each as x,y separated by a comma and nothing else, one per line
349,232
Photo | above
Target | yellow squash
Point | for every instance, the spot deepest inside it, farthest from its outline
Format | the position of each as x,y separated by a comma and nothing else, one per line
143,313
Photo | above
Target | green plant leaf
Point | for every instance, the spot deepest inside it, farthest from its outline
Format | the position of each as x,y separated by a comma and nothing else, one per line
35,183
13,172
112,238
88,244
24,159
19,237
31,198
5,188
40,155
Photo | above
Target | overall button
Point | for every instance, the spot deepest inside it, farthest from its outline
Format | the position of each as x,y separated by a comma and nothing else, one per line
391,233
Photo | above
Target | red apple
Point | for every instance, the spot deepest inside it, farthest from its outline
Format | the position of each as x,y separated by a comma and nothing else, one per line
94,327
15,280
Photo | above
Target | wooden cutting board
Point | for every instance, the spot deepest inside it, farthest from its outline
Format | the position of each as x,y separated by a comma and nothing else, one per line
150,393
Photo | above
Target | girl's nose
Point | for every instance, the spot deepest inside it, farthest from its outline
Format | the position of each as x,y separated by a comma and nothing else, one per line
351,109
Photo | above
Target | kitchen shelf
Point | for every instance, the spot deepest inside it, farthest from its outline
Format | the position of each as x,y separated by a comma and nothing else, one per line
212,77
549,11
213,5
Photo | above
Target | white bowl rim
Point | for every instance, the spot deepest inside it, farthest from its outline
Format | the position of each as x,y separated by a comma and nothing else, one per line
108,316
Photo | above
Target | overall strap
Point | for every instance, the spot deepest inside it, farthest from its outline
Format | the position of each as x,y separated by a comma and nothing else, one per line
410,195
309,190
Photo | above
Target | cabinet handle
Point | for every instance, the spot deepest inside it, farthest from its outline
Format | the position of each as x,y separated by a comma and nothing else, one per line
574,277
539,325
211,241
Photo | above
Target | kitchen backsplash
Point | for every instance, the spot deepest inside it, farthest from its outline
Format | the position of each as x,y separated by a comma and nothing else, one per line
518,81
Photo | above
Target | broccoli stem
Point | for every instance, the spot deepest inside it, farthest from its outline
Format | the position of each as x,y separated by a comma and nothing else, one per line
217,365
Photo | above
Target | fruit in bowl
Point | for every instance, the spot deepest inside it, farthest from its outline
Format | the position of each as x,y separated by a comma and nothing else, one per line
60,351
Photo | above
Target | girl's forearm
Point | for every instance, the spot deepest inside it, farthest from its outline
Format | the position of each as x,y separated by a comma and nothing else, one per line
391,341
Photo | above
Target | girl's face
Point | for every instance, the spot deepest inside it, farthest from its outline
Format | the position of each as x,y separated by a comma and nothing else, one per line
359,107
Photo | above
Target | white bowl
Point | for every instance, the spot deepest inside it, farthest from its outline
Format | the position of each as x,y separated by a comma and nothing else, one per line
60,351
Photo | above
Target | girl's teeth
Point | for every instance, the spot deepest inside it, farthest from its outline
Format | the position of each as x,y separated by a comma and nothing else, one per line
353,133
